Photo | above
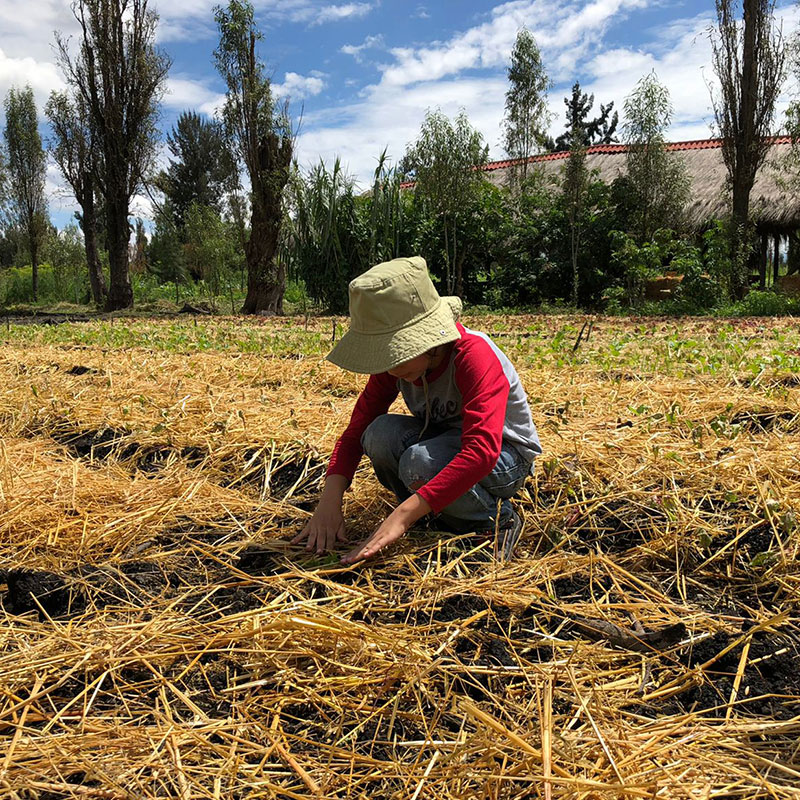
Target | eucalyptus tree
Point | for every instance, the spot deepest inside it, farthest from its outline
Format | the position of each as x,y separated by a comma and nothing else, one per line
74,150
120,76
27,167
526,116
748,57
657,179
261,138
445,164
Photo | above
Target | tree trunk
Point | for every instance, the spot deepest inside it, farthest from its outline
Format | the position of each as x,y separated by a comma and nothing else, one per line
97,280
34,251
266,279
744,171
741,235
120,293
762,261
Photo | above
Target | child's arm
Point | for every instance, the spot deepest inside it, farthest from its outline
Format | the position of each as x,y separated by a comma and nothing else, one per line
326,526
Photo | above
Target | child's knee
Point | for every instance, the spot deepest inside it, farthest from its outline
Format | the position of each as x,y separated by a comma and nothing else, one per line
416,467
376,435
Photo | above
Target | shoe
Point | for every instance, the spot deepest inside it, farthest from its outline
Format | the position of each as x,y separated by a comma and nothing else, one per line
506,537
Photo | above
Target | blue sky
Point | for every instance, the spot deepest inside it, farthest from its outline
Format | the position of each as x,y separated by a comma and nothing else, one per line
364,72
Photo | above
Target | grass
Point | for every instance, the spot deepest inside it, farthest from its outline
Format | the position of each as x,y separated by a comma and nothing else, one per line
159,638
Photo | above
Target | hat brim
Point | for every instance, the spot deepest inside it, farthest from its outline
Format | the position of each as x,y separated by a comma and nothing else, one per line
371,354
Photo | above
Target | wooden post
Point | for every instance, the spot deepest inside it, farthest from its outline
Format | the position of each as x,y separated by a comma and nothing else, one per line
776,259
793,256
762,264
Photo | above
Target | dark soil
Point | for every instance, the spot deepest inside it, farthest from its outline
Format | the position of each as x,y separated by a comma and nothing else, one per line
765,421
258,560
769,688
48,594
459,607
154,459
99,444
581,588
79,369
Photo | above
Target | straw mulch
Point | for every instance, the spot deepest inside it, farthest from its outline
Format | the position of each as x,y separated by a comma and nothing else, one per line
159,638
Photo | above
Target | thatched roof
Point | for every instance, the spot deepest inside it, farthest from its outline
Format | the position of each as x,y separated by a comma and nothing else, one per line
772,205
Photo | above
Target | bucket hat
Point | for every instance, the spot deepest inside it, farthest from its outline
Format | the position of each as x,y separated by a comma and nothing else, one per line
396,314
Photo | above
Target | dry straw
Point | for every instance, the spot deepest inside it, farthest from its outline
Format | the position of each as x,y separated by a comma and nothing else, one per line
175,646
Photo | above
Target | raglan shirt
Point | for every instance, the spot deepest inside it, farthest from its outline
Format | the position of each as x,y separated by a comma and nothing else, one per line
476,390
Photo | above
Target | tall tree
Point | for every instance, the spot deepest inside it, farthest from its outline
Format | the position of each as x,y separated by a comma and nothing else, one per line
657,179
444,162
261,138
575,188
597,130
74,151
527,117
748,58
120,76
27,165
201,166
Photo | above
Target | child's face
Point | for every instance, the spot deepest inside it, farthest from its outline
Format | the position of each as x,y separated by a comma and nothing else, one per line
412,370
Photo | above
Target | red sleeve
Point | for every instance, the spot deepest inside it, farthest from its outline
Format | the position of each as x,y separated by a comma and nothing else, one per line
484,391
374,400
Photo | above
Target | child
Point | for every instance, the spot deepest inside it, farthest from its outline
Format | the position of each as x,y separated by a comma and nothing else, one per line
469,441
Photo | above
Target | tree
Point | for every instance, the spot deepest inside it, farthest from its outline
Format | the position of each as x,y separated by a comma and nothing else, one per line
575,187
657,179
261,139
527,116
120,77
27,165
211,248
748,58
73,149
165,257
201,166
599,130
444,162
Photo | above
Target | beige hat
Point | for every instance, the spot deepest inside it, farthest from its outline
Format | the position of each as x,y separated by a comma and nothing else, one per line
396,314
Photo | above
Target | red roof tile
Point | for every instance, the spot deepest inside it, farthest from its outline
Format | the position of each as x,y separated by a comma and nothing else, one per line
607,149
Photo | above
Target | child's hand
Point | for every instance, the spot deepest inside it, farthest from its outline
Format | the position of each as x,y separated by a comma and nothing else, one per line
390,530
324,529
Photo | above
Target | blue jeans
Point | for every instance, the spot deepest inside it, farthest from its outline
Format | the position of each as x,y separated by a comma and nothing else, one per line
401,461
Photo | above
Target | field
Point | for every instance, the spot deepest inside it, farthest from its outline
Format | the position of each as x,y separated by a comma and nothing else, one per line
160,639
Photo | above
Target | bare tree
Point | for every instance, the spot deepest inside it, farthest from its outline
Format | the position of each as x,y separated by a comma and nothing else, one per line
73,149
120,77
748,59
261,138
27,165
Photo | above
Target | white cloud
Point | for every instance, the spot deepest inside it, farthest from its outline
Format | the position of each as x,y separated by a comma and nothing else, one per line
564,30
186,93
42,76
296,87
347,11
356,50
